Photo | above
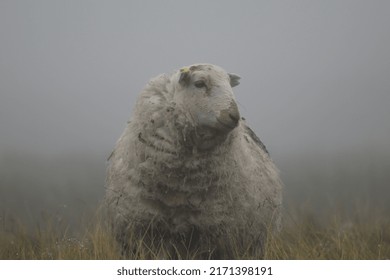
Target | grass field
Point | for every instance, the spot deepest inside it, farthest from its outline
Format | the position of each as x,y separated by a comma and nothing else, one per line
302,237
335,208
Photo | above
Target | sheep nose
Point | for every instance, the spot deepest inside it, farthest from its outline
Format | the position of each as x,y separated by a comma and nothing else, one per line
229,117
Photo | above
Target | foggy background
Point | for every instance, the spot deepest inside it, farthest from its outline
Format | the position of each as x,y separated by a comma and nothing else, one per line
315,88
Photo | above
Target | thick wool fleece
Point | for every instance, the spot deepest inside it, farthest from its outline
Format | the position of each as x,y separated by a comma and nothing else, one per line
195,174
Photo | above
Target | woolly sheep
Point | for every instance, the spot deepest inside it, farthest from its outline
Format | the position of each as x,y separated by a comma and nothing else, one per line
188,172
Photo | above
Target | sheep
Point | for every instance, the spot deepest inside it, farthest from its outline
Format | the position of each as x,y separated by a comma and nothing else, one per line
189,174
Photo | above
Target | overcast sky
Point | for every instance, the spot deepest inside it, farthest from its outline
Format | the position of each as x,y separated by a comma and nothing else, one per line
315,74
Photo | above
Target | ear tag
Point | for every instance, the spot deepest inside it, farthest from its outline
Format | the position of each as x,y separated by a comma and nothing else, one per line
184,76
184,70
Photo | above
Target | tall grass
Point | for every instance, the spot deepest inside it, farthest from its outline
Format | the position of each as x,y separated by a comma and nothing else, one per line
337,207
338,239
303,237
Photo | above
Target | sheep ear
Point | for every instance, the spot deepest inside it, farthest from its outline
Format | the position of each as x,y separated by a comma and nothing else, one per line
184,76
234,80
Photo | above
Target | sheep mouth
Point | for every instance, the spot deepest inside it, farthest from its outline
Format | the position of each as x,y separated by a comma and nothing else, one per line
216,131
206,134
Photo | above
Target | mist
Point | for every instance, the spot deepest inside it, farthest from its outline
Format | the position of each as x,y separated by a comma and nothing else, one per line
315,88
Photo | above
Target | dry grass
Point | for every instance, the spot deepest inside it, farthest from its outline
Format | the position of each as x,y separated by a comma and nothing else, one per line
354,185
303,237
55,241
336,240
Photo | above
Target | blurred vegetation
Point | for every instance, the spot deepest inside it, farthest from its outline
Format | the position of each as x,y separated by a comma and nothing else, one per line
336,207
301,238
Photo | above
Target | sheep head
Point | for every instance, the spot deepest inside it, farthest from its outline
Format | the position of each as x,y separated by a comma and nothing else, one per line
204,92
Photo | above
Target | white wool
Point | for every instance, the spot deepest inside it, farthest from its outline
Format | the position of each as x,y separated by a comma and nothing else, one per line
187,161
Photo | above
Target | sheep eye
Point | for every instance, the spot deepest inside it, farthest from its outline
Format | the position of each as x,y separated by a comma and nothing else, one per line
200,84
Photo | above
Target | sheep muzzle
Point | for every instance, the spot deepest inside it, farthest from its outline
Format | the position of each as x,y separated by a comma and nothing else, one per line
229,117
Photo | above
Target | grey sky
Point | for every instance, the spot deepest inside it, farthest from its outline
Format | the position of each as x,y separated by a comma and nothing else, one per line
315,74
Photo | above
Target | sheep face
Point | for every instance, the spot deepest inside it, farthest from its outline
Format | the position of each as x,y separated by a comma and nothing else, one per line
205,93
